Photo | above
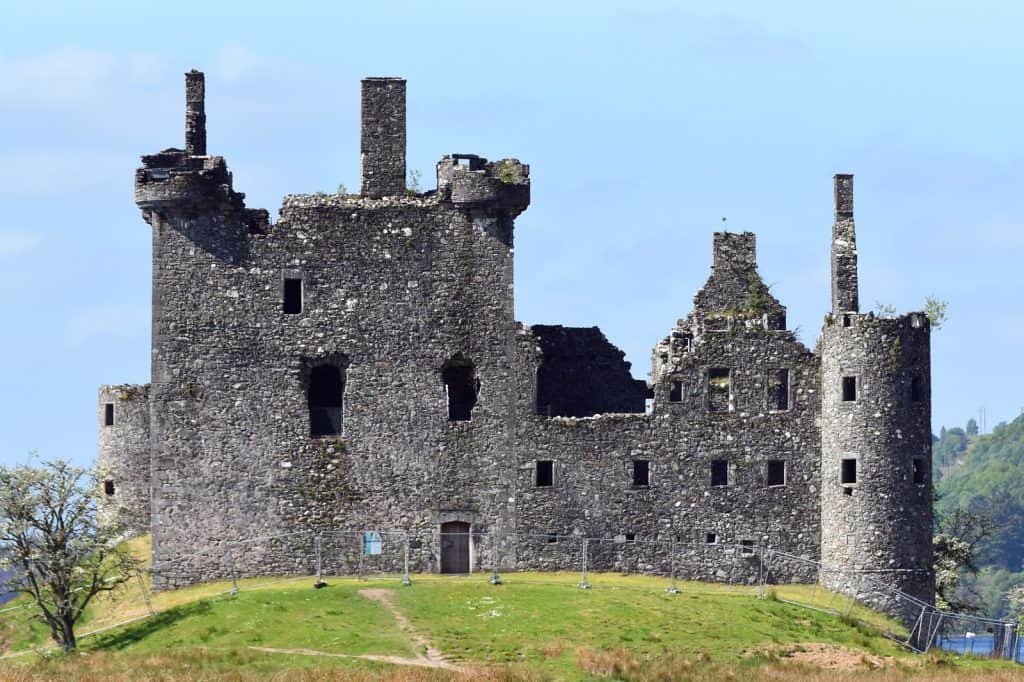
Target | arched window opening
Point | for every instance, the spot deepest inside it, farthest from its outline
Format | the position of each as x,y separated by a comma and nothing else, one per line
326,388
461,387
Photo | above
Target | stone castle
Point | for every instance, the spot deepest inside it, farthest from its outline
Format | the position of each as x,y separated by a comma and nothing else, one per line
356,364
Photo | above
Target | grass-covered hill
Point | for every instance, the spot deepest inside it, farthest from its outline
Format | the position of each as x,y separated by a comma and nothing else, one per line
532,627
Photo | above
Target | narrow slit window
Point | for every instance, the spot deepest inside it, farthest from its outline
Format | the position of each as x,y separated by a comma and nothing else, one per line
292,296
108,414
846,320
675,392
776,472
641,472
916,389
719,389
778,388
325,397
461,387
849,389
545,473
848,472
920,471
719,472
108,487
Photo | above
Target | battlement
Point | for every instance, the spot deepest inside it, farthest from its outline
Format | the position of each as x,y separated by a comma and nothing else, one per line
468,180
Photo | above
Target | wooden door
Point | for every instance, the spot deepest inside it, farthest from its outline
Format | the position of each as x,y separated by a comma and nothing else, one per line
455,547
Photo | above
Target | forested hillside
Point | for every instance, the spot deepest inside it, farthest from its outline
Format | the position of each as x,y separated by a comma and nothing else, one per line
984,474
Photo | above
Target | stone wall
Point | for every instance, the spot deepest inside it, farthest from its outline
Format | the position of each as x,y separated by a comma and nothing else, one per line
123,458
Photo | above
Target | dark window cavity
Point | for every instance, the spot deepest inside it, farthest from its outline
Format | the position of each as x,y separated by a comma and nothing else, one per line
688,343
641,472
920,471
776,472
552,538
719,389
675,392
326,388
848,472
545,473
778,389
849,389
292,296
108,487
108,414
846,320
746,547
916,389
719,472
710,538
461,387
630,537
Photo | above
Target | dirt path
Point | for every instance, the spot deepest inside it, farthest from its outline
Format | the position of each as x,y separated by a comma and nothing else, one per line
432,659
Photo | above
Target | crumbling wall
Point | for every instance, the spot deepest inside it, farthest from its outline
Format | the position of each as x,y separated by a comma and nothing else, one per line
123,460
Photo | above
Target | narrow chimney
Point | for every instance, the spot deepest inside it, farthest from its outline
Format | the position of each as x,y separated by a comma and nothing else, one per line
195,113
382,146
844,249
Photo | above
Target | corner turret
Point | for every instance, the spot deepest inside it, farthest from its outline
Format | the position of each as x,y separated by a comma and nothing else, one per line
470,181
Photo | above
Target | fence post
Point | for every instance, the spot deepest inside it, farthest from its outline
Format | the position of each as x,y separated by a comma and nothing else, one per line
234,576
145,593
361,540
583,580
672,589
495,578
405,560
319,564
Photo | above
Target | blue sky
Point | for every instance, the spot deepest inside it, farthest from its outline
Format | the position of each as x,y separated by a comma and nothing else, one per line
644,123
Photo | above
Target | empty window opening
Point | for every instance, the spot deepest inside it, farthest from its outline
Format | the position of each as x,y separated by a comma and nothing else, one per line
719,389
776,472
552,538
849,389
108,487
108,414
920,471
916,389
326,388
710,538
675,392
630,537
292,296
460,161
719,472
746,547
460,387
641,472
846,320
778,389
545,473
688,343
848,491
848,472
648,405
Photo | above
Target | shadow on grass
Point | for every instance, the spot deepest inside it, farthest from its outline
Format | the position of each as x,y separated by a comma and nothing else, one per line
132,634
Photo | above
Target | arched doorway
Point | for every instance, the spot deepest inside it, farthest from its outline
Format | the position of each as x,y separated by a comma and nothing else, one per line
455,547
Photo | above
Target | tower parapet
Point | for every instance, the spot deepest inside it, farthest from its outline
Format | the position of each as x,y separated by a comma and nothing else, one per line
470,181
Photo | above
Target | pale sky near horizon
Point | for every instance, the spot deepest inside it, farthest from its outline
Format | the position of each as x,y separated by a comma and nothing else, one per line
645,123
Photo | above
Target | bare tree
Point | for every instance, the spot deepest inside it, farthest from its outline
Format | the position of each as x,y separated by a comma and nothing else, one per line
51,540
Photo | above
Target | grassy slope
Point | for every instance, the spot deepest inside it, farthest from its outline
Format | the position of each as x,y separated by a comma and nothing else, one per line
537,623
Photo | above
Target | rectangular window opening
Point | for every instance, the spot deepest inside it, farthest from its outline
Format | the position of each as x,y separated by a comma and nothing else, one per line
545,473
846,320
108,487
710,538
630,537
108,414
292,296
719,472
675,393
719,389
746,547
778,388
552,538
776,472
916,389
848,472
849,389
641,472
920,471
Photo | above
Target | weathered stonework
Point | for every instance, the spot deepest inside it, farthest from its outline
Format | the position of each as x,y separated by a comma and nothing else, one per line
123,459
357,365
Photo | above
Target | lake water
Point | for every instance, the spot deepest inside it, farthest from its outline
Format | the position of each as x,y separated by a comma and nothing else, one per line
980,645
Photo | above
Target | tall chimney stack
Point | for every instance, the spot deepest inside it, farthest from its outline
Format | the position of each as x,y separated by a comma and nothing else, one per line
195,113
844,249
382,147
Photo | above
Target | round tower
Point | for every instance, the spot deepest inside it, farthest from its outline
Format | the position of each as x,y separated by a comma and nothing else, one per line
876,487
123,459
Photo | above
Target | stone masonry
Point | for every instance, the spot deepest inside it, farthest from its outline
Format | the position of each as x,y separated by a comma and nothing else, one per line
356,364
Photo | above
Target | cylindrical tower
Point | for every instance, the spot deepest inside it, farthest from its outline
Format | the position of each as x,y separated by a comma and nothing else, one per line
876,487
123,461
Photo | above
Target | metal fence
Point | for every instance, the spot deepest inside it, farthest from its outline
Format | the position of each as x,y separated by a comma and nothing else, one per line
588,563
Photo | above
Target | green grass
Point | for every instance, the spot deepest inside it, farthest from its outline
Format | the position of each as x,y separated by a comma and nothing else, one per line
534,626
